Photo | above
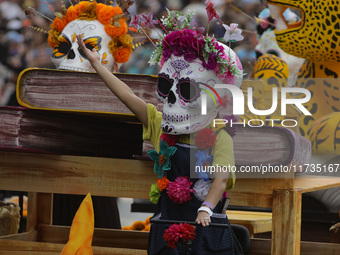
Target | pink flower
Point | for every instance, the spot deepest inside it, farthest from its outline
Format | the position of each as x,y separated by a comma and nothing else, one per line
136,22
211,11
227,78
211,63
179,232
148,20
179,191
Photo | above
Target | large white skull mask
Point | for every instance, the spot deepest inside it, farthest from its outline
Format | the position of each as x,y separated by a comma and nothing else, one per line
68,55
180,87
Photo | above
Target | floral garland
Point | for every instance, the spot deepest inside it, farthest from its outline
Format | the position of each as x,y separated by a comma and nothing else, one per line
182,38
111,17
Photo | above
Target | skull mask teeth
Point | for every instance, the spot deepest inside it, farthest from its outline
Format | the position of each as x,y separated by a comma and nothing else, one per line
69,56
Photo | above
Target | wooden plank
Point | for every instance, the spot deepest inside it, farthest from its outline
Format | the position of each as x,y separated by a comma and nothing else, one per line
308,183
250,198
27,236
268,185
255,222
76,175
45,208
101,237
32,211
286,233
262,247
34,248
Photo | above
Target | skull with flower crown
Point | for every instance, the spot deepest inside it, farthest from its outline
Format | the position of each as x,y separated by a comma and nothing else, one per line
102,27
191,66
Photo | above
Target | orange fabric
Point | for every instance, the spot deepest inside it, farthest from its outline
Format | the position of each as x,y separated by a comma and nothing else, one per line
81,232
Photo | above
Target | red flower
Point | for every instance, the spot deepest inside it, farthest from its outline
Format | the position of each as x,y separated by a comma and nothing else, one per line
205,139
179,232
211,11
169,139
179,190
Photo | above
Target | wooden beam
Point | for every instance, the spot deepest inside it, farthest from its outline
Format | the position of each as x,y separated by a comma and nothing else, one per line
309,183
101,237
262,247
27,236
10,247
76,175
286,233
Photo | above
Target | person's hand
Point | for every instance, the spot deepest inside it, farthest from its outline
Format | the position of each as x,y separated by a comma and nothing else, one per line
203,218
93,55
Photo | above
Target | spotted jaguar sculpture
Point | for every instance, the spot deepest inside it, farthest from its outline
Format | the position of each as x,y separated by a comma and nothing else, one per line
315,38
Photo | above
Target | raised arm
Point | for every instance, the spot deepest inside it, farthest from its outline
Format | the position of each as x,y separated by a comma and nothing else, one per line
119,88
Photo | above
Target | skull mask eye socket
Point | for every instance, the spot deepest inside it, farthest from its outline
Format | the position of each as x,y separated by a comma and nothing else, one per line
63,48
188,90
90,43
164,85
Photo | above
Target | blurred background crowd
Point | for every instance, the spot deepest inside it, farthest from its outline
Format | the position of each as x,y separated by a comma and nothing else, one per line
23,47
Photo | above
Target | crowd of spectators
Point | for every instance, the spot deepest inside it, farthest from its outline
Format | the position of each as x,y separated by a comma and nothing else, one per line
23,47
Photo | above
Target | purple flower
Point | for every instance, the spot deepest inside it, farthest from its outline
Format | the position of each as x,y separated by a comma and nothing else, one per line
190,55
166,53
177,50
136,22
211,63
148,20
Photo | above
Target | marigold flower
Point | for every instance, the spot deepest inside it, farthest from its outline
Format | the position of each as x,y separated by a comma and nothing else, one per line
116,31
105,14
59,24
122,55
71,14
138,225
162,183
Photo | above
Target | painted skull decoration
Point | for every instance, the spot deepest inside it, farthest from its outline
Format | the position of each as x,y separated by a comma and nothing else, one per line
180,87
102,27
69,56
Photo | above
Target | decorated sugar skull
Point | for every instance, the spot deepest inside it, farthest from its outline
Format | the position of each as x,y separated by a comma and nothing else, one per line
191,66
102,27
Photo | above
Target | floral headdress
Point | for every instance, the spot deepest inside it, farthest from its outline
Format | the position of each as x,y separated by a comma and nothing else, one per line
180,37
112,17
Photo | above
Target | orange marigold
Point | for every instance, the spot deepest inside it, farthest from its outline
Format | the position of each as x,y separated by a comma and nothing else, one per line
127,228
71,14
116,31
125,39
99,7
53,37
105,14
147,221
118,10
79,7
138,225
147,228
59,24
89,12
122,55
50,41
162,183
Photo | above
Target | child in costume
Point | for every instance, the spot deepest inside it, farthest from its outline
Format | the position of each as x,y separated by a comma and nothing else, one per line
192,64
